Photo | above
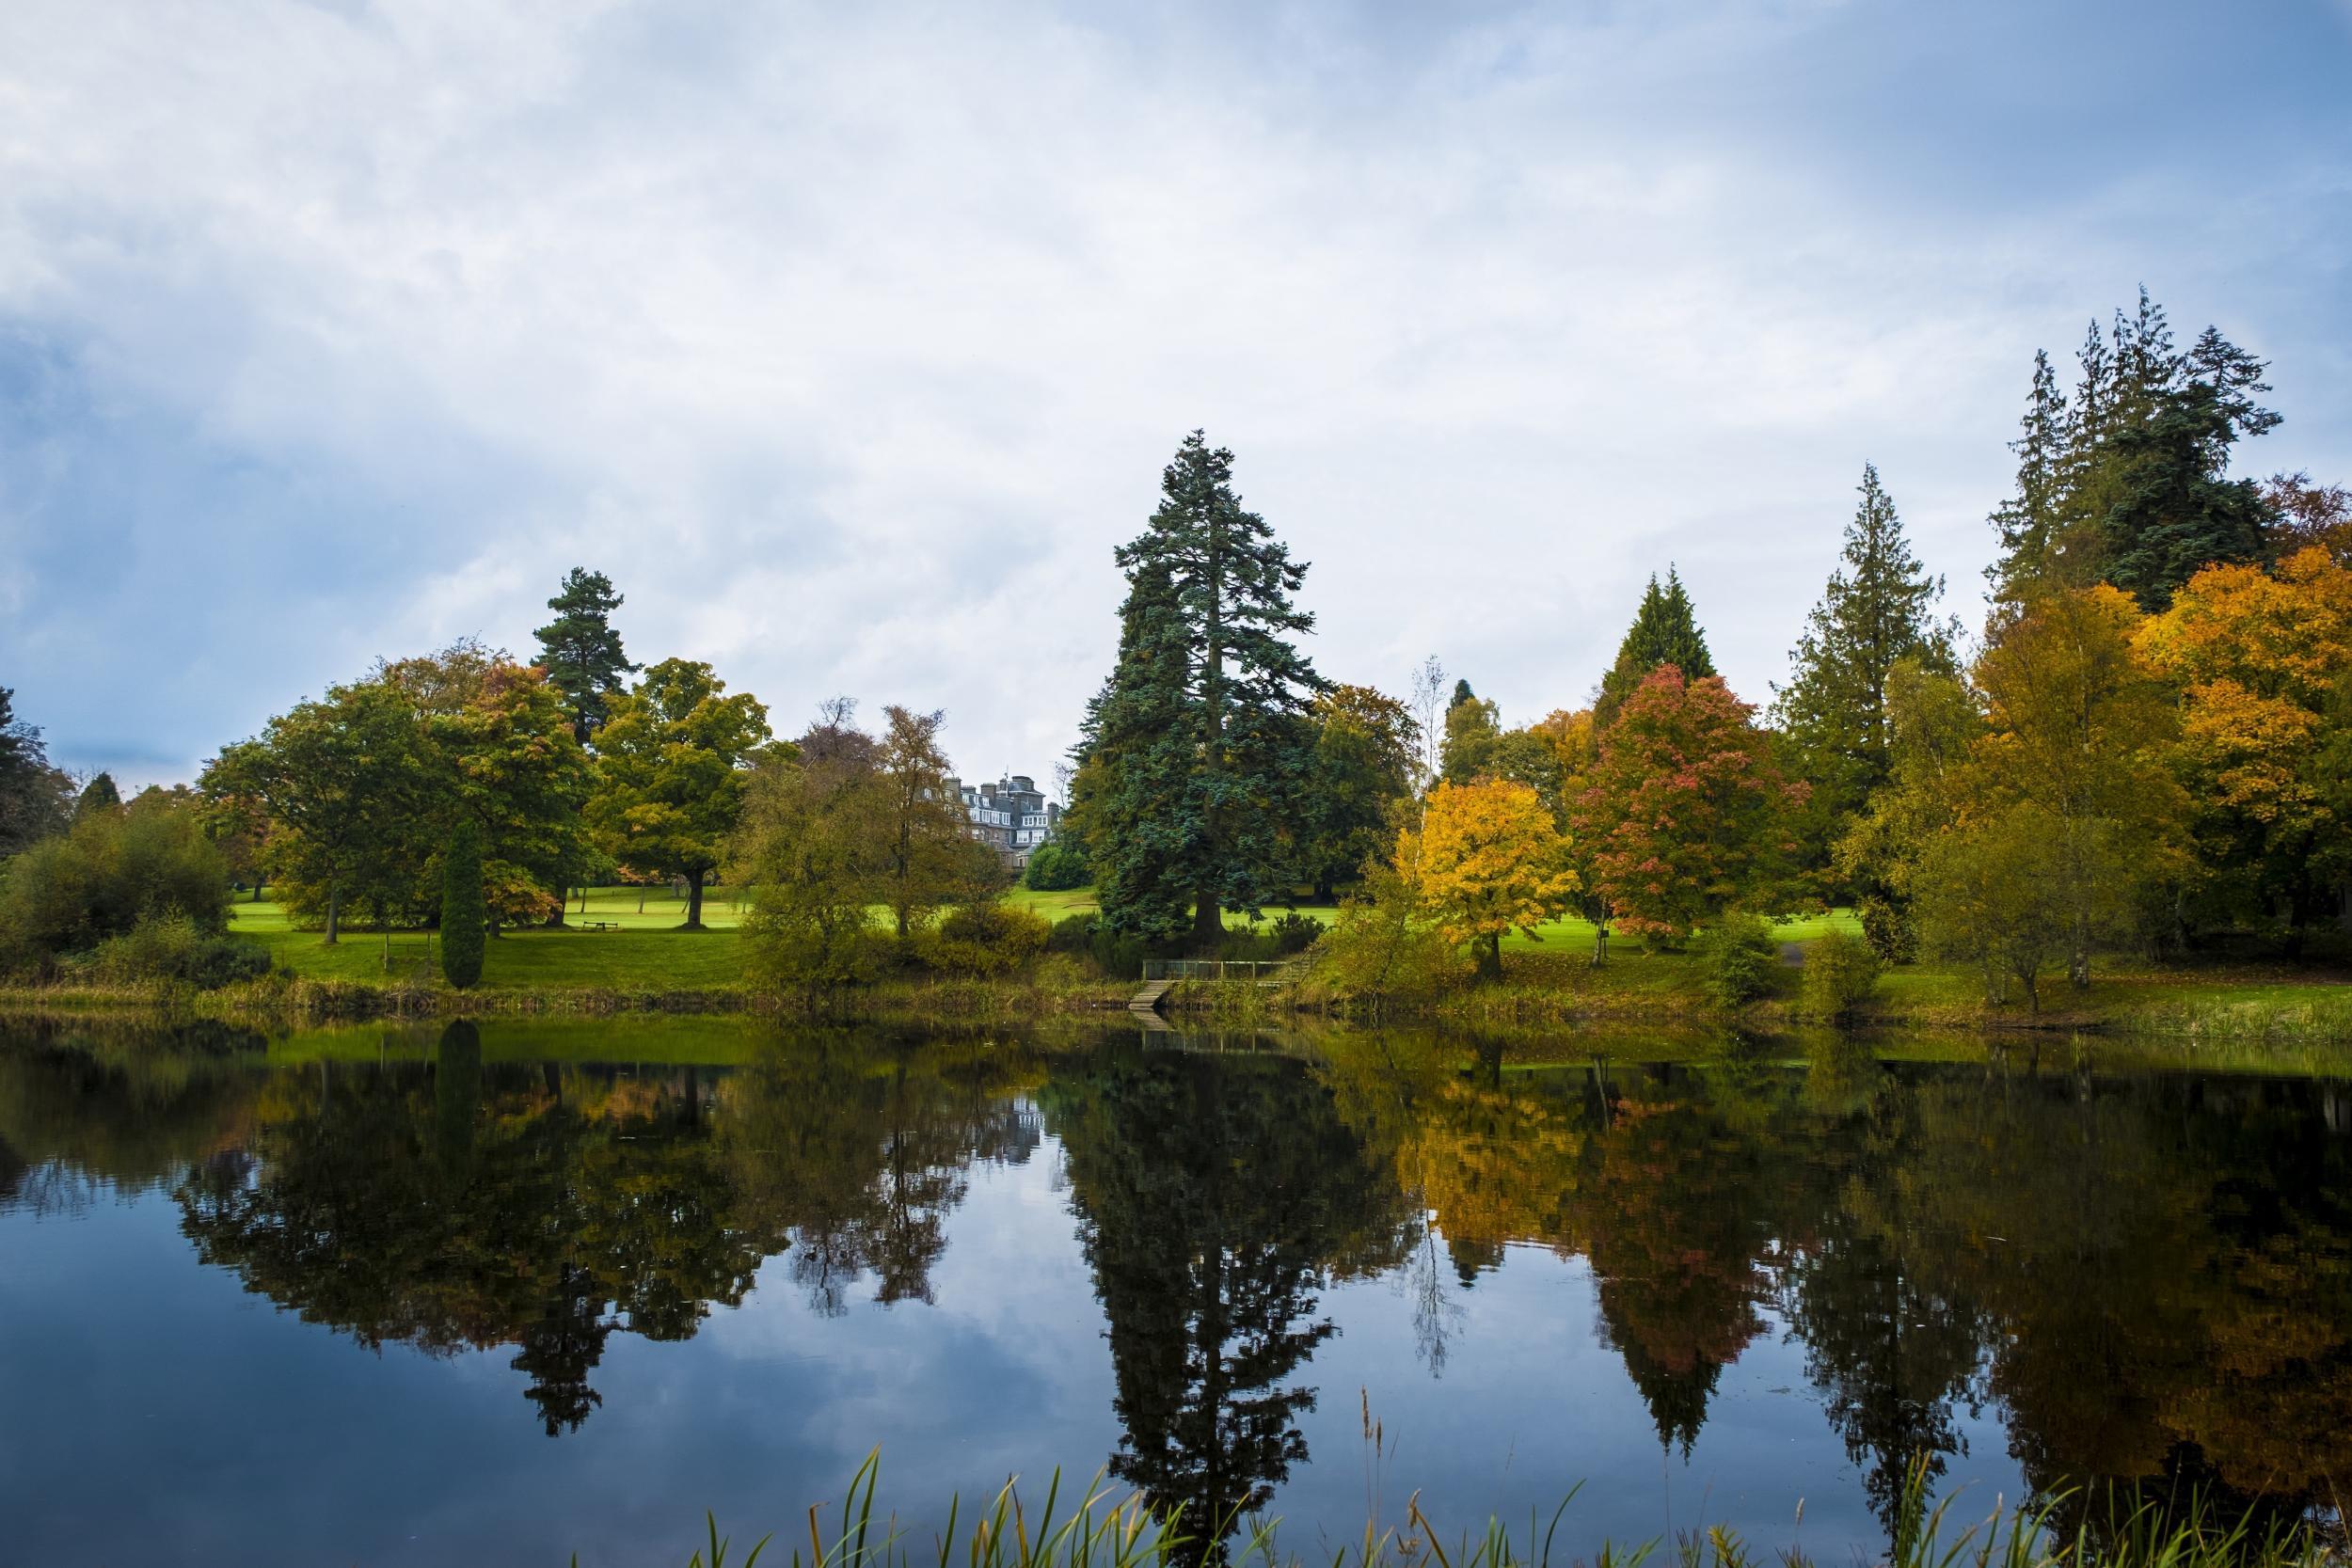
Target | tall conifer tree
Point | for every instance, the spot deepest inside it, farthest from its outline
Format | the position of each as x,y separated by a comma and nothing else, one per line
2135,490
1875,611
2029,521
580,651
1195,754
1665,630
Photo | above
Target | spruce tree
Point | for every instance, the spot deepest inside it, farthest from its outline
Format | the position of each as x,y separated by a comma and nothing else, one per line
2129,485
1665,630
2029,522
1875,612
465,913
1196,752
580,651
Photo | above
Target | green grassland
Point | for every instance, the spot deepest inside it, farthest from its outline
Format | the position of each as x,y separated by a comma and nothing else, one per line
634,953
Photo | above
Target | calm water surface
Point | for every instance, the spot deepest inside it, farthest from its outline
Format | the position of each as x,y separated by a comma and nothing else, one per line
425,1297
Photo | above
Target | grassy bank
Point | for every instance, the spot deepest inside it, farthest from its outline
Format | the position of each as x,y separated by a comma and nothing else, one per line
628,961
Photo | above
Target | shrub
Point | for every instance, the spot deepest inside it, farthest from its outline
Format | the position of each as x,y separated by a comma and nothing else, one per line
984,938
1840,972
1383,947
173,947
1886,926
465,917
1740,954
109,870
1071,933
1055,867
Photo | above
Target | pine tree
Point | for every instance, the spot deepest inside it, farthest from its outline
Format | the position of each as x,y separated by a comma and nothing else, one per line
580,651
2028,522
465,913
1875,611
1665,630
1197,750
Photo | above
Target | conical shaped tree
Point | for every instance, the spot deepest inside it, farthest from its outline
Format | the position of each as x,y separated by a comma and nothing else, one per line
1197,748
465,913
2031,521
1875,611
1665,630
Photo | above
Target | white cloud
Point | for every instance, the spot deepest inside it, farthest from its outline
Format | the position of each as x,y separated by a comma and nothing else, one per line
850,342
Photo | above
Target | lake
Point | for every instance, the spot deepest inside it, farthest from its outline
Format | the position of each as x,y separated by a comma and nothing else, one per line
516,1290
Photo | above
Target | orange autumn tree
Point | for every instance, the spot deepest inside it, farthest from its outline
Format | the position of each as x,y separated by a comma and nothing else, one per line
2265,665
1487,857
1685,812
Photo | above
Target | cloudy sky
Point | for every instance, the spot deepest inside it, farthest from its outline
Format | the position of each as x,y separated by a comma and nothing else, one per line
849,339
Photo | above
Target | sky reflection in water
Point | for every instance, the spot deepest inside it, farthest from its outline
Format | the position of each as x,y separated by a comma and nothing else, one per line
422,1296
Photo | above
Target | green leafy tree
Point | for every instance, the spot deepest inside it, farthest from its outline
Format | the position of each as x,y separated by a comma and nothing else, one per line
928,860
1474,725
815,848
32,793
671,764
1055,866
1666,631
348,784
1194,762
580,651
1832,715
108,872
465,916
1365,745
503,756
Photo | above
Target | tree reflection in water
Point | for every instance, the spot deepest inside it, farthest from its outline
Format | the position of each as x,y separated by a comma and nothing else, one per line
2145,1278
1215,1194
549,1208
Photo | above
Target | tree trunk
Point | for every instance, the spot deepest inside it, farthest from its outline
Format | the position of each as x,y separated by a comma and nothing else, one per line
257,889
1490,956
695,901
334,913
1208,921
1600,944
641,898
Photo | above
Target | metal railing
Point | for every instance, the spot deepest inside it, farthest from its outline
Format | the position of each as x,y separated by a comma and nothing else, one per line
1216,969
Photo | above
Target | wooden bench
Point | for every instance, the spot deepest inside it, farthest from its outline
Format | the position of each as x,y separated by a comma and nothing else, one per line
599,925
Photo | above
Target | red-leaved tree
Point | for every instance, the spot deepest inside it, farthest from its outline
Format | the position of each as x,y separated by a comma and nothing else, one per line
1685,813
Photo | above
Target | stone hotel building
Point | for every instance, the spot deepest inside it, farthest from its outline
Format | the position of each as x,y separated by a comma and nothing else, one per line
1013,813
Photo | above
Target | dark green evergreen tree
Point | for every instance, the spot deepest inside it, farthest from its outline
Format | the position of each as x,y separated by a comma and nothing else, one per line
2130,483
2029,522
99,795
580,651
1195,757
1876,610
464,915
1665,630
2171,508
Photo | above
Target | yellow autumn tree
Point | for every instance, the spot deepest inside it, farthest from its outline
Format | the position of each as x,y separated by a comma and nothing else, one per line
2264,660
1486,857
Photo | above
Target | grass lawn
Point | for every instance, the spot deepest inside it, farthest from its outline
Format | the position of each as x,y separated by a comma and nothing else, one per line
647,953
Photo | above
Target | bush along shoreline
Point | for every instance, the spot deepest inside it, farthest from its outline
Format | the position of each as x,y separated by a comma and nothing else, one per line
1003,963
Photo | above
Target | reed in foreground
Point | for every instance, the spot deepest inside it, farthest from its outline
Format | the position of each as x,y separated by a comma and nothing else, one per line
1106,1529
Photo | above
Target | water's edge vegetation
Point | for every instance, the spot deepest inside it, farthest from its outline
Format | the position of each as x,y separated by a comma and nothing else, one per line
1099,1527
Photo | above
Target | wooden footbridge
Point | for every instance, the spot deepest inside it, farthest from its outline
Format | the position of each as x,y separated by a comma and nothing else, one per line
1160,976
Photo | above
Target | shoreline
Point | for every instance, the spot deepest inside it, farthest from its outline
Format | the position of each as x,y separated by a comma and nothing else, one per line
2182,1007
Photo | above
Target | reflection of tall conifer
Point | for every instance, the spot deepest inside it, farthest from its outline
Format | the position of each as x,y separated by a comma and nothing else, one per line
1215,1196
